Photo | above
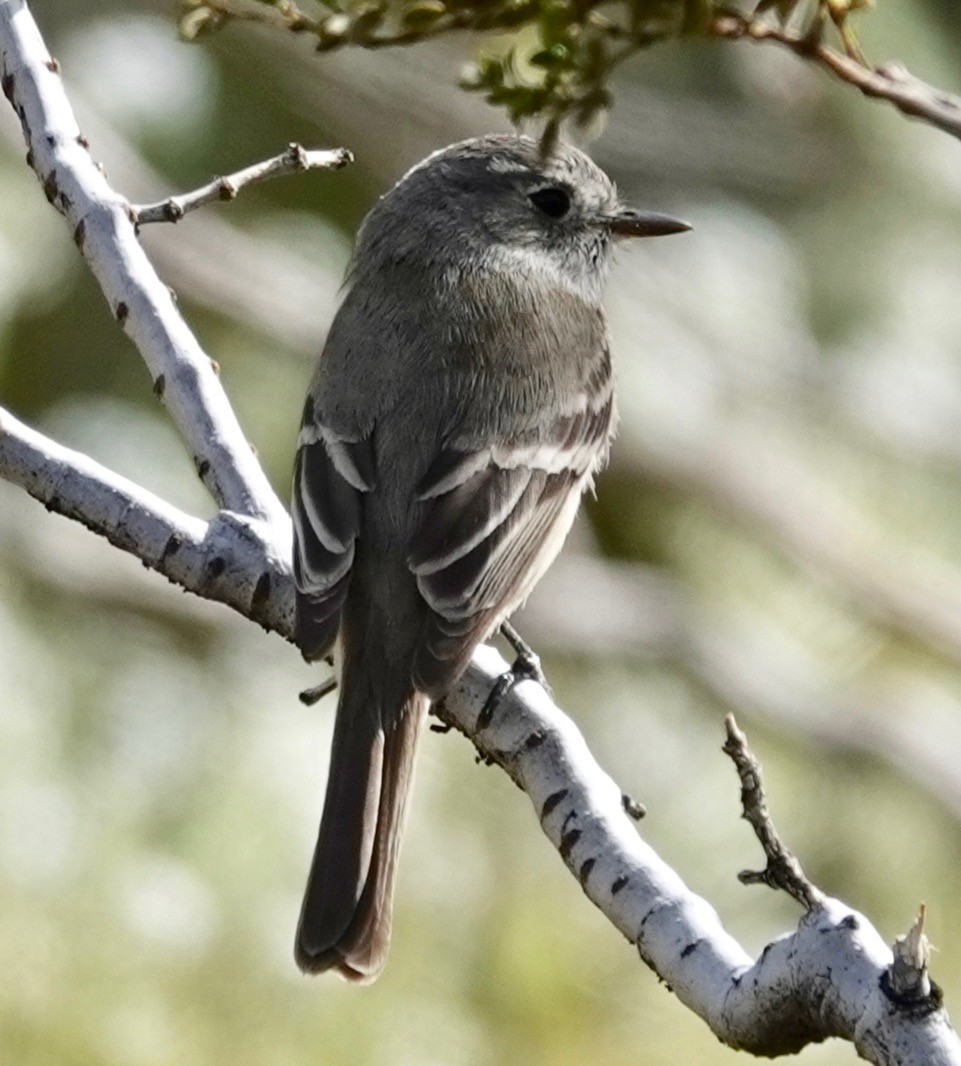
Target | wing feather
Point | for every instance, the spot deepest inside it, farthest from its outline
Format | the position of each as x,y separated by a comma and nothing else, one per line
463,517
484,541
330,476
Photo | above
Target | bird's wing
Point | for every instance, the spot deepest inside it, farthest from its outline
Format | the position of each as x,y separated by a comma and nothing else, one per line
493,519
331,474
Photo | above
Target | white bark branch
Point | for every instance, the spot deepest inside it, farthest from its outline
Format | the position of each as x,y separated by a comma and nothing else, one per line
233,559
832,977
294,310
823,980
99,219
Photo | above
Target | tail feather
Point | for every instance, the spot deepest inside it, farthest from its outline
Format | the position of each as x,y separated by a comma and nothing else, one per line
346,915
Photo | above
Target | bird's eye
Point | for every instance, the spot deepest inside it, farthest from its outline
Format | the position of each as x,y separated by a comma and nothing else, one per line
552,201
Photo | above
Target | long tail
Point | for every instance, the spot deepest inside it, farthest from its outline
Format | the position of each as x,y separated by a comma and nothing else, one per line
345,919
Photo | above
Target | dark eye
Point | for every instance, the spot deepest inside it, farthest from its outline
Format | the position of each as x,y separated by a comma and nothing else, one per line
553,202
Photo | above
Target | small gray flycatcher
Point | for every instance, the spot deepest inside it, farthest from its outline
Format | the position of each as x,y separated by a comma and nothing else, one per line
462,404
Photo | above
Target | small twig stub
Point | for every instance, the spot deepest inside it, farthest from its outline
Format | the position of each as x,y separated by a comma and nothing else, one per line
907,981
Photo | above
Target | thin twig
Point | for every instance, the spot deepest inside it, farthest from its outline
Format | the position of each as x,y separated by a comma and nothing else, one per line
295,160
783,870
890,82
287,16
335,30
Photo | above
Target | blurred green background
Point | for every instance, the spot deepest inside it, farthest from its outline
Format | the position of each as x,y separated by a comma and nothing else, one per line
779,534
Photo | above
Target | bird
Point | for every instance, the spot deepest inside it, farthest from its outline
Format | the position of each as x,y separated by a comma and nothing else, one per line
461,406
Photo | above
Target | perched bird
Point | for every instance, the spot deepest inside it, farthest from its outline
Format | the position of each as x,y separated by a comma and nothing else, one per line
462,404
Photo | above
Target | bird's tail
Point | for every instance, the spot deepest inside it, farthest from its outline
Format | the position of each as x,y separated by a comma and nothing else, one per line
345,919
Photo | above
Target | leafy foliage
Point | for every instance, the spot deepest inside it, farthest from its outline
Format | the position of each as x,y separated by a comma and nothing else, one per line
552,60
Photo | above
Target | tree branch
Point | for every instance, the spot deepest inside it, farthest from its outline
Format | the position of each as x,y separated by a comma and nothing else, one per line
823,980
294,310
890,82
100,221
580,48
783,871
295,160
233,559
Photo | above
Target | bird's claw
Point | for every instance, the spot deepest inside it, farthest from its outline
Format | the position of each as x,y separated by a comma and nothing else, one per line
526,667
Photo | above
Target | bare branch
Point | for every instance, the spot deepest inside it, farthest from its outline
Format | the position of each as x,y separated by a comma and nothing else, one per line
823,980
581,809
294,309
102,229
295,160
233,559
890,82
772,1006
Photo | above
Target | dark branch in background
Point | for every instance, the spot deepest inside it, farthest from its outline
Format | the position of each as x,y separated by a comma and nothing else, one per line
566,73
890,81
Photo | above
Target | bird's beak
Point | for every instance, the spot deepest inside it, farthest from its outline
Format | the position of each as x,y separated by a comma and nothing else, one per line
627,222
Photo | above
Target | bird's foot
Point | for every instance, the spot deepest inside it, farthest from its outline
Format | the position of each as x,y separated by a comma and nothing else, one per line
526,667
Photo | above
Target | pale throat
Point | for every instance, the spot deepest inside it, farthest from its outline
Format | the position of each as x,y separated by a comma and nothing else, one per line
575,272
